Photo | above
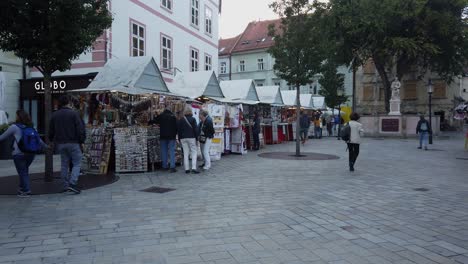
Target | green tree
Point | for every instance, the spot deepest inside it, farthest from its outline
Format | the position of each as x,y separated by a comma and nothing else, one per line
331,82
50,35
297,50
398,35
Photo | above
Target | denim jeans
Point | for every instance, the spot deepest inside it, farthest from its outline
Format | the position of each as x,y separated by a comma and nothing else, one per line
256,141
423,139
22,163
70,152
168,147
317,132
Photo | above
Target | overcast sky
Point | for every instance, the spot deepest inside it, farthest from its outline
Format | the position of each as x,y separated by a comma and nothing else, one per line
236,14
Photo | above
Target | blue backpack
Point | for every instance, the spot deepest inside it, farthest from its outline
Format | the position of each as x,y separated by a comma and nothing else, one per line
30,141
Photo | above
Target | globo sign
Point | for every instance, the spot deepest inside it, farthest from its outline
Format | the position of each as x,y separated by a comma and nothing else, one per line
55,85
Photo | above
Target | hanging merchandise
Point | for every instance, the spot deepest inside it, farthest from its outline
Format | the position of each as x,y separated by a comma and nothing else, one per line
96,149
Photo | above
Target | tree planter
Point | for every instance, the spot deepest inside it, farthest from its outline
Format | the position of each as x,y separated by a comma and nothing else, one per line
5,148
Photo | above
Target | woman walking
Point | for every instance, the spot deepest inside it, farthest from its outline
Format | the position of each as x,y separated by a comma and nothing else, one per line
206,135
355,139
188,133
22,160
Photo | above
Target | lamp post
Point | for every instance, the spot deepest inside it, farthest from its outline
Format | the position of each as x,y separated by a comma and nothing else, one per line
340,94
430,90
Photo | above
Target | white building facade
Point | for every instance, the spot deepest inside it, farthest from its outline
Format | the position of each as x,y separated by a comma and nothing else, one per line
12,71
182,36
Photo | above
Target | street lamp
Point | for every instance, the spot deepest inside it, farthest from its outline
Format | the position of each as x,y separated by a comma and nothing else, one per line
430,90
340,94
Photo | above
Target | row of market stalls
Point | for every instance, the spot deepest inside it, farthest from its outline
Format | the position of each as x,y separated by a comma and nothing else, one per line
119,104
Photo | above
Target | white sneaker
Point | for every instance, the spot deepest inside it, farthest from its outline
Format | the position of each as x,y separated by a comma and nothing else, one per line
205,168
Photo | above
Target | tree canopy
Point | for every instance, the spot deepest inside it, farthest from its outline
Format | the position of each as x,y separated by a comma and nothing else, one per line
400,34
51,34
331,82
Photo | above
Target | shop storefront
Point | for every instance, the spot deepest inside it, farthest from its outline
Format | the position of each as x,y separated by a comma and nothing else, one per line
32,94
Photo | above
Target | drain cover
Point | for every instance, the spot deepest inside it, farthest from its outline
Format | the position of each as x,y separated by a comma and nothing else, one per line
155,189
421,189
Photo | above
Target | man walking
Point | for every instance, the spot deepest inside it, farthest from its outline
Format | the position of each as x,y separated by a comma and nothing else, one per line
423,129
67,132
304,123
167,122
256,131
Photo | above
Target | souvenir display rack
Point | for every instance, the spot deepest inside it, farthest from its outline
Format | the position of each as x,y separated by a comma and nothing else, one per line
131,151
97,150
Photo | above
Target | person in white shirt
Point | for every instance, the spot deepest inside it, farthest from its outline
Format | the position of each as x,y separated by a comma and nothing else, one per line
355,139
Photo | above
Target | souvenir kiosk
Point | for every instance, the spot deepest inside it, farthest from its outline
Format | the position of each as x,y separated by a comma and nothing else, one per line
202,91
271,99
243,94
116,108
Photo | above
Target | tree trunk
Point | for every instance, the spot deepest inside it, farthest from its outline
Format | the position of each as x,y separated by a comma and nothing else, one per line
385,81
49,161
298,124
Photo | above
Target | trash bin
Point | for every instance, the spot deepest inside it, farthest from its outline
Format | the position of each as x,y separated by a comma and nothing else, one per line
5,148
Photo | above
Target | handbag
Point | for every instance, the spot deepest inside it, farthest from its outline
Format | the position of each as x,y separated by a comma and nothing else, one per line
202,137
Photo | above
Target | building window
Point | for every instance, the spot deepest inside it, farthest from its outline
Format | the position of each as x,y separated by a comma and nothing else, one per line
277,83
193,60
166,52
242,66
195,12
208,21
138,40
260,64
259,84
207,62
167,4
223,67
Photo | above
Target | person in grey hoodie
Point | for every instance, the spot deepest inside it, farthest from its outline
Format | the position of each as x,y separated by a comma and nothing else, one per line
22,160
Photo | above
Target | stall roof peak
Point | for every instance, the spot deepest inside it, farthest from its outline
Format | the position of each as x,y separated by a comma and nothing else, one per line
270,95
240,90
132,75
196,84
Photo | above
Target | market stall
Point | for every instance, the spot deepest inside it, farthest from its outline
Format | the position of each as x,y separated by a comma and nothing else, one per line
271,101
242,95
116,108
288,116
203,91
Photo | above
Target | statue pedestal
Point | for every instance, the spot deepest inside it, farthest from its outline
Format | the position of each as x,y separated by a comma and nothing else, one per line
395,107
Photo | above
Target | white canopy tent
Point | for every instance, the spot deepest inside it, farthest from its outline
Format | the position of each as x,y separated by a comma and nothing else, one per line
240,91
306,101
132,75
319,102
270,95
289,98
196,84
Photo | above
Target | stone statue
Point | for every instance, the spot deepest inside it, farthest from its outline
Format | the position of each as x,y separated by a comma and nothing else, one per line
396,85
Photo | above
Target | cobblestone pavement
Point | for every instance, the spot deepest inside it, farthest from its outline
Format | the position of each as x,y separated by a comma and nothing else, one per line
259,211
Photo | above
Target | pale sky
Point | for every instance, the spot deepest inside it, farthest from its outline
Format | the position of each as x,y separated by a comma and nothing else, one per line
236,14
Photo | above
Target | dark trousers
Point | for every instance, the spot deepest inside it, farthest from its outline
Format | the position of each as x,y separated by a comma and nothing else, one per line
256,139
22,163
353,153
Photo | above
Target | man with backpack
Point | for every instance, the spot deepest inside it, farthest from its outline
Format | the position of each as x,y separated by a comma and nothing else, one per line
67,132
423,129
351,134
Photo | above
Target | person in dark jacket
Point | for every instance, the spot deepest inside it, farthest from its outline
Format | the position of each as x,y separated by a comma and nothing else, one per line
167,122
256,131
67,132
304,123
187,130
423,129
206,135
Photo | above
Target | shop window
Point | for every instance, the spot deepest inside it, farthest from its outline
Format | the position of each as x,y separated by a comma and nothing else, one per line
166,52
208,21
208,60
195,12
223,67
194,60
138,39
167,4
